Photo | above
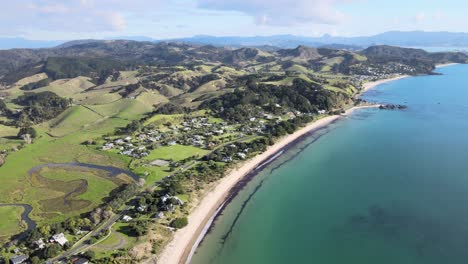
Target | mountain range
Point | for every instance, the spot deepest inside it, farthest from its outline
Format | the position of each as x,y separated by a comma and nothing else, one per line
394,38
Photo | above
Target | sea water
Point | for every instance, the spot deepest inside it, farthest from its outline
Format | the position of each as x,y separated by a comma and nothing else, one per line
379,186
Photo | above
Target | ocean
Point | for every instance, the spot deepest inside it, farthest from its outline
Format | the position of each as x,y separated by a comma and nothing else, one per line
379,186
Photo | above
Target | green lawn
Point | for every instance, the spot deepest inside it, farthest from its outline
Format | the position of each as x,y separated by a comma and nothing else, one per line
9,222
99,184
176,152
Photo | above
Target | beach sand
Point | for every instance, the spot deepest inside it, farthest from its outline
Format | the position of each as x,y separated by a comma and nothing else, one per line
370,85
186,240
445,65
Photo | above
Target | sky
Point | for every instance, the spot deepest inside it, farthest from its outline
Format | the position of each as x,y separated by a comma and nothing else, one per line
165,19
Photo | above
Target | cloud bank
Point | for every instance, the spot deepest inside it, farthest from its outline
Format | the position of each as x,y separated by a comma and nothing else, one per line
282,12
20,16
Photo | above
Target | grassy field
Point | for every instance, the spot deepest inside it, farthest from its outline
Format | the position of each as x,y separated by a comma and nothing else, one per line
119,239
176,152
61,181
11,217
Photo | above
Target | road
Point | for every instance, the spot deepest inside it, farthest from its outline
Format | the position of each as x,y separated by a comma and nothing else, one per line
83,245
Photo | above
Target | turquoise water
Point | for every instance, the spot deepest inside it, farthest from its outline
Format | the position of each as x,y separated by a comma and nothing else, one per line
377,187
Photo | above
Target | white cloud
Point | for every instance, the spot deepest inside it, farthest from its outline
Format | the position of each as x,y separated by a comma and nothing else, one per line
439,15
26,16
282,12
420,17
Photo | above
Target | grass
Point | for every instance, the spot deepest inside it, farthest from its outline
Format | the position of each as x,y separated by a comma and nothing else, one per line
211,86
155,173
73,119
121,231
97,188
159,120
9,222
16,184
176,152
68,87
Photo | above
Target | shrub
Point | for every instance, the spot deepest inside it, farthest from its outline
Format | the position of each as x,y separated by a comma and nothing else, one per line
180,222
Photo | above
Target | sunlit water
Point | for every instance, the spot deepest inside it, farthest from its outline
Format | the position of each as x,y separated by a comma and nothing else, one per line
378,187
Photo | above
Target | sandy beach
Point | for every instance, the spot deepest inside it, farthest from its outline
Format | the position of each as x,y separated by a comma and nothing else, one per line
445,65
370,85
185,240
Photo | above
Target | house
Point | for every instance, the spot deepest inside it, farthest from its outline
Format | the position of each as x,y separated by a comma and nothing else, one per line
321,112
179,201
172,143
128,139
40,243
59,239
165,197
226,159
159,215
78,260
141,208
18,259
108,146
241,155
160,163
127,218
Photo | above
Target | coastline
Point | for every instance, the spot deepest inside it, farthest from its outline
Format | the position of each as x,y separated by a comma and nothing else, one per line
446,65
370,85
186,240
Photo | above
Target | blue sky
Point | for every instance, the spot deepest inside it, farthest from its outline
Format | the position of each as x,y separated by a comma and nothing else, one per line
74,19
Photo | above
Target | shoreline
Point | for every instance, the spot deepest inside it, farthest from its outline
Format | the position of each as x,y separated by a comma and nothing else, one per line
370,85
186,240
446,64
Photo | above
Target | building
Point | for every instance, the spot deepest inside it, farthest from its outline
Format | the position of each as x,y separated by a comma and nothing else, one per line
127,218
78,260
40,243
59,239
141,208
18,259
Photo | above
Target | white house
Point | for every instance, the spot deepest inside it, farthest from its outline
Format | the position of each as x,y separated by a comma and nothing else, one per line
127,218
40,243
59,239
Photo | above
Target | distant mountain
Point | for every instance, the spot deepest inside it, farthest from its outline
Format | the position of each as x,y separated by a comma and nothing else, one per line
269,43
87,56
21,43
394,38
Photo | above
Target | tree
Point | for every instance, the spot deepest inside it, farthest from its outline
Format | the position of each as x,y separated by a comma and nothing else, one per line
140,228
27,131
35,260
45,230
52,251
179,222
89,255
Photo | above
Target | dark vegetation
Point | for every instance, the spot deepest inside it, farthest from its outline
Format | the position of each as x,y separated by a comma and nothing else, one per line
36,85
170,109
3,108
27,131
302,96
39,107
421,60
180,222
99,69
